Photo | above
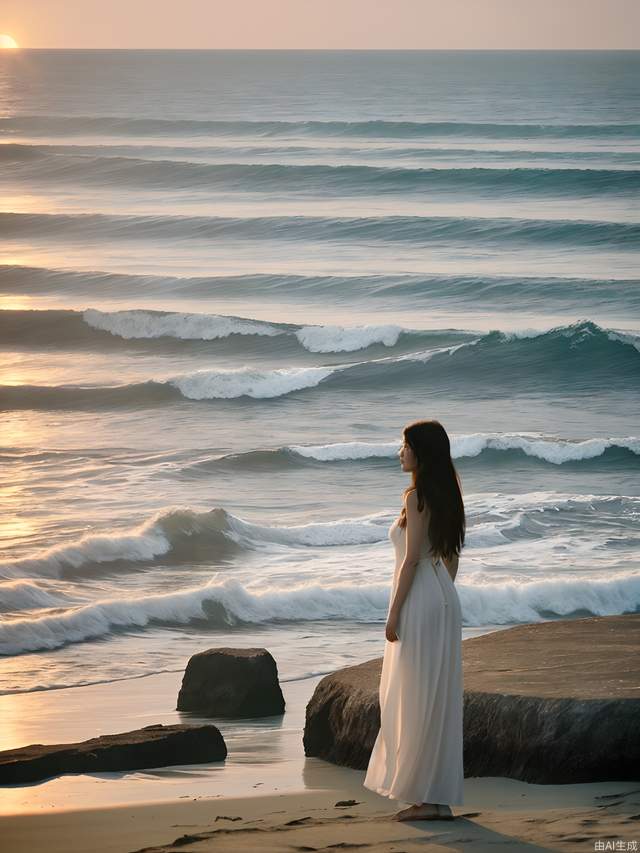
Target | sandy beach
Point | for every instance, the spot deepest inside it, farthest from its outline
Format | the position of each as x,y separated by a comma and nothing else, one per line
267,795
500,813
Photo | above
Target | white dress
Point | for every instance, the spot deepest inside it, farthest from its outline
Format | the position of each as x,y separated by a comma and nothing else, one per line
417,756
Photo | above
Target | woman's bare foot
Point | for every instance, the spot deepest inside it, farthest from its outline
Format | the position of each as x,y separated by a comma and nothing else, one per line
425,811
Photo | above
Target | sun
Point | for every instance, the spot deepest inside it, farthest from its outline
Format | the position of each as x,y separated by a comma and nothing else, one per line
7,41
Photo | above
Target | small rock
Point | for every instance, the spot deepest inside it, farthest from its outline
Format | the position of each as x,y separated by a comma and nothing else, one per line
231,683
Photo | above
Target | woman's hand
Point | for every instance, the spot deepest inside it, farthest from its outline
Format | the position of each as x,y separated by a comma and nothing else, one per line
390,630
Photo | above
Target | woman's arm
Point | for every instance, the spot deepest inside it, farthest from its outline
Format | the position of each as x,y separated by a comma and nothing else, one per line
415,532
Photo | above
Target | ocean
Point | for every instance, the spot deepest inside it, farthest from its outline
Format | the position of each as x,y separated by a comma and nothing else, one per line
230,278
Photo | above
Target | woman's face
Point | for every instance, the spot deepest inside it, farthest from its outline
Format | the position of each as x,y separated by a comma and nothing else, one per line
408,460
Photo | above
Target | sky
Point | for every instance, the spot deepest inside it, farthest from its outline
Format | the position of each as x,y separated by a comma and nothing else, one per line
318,24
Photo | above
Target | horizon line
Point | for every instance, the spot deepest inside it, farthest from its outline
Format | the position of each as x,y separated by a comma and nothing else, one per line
347,49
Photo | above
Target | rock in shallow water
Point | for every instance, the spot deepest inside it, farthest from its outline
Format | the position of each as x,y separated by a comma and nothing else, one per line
231,683
152,746
552,702
343,715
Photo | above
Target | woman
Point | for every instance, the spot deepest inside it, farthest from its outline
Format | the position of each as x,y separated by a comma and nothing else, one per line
417,756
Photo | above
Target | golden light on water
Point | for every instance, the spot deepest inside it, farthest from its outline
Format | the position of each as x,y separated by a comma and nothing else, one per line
8,42
15,527
15,303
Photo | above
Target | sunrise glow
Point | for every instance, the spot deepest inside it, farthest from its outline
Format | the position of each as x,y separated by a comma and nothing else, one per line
8,42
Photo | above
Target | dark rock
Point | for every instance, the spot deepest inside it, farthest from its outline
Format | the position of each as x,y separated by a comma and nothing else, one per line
343,715
153,746
231,683
552,702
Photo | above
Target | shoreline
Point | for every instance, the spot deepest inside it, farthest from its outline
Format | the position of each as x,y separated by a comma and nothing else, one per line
263,752
267,752
267,795
497,811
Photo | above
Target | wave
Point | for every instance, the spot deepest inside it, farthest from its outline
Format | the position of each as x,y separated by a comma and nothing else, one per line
529,291
155,324
486,448
512,601
26,594
94,329
576,359
181,535
144,324
64,125
178,535
345,339
230,603
555,451
416,230
219,604
544,449
378,152
230,383
341,180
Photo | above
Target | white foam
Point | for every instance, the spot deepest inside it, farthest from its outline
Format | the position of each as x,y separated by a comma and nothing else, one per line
143,324
228,383
234,603
427,355
582,327
540,500
625,337
519,334
26,594
487,534
347,339
172,527
143,542
469,445
517,601
159,534
326,338
555,451
501,601
580,330
345,450
248,382
357,531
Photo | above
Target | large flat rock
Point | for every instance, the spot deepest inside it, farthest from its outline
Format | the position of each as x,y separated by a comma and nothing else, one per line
152,746
551,702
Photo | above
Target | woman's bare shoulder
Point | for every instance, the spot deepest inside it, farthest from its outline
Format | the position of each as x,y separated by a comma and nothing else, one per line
411,503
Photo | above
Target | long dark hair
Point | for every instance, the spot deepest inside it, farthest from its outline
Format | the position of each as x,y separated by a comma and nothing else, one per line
437,485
